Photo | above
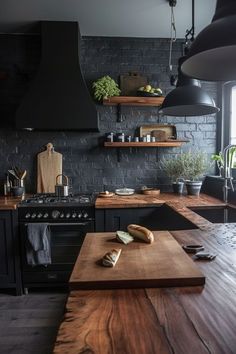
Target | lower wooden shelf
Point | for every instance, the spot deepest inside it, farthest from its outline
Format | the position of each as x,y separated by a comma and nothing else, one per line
170,143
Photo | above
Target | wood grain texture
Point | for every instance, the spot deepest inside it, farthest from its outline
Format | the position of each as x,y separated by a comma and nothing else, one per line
140,200
156,321
115,324
133,101
162,263
168,143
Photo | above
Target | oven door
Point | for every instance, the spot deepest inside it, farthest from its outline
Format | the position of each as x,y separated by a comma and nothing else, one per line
66,241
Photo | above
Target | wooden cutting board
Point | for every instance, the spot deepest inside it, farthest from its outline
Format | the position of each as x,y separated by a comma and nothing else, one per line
49,166
160,264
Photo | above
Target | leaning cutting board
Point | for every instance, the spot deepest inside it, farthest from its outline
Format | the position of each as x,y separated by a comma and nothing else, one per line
160,264
49,166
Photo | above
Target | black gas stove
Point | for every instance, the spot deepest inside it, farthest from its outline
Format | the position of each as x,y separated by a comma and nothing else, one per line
68,220
49,208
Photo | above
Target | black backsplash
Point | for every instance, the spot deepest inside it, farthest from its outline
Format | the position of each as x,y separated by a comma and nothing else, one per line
90,166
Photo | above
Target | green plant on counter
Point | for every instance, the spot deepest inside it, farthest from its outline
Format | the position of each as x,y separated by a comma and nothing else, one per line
194,165
105,87
188,165
173,168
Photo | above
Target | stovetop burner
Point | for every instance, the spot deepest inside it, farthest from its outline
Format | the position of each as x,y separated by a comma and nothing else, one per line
50,199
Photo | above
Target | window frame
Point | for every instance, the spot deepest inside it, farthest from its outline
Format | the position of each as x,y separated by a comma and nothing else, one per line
225,121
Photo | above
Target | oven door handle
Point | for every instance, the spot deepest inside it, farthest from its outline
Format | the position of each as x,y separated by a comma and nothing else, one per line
68,223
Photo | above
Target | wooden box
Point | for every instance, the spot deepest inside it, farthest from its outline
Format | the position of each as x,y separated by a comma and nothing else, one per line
170,130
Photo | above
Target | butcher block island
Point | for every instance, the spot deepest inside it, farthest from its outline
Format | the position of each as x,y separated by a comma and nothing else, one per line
161,263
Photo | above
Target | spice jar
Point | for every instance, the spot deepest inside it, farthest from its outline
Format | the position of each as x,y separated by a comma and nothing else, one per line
110,137
121,137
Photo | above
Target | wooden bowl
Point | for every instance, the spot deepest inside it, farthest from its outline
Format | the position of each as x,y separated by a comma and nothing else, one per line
151,191
105,195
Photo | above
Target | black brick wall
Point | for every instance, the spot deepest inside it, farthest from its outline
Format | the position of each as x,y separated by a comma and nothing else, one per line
90,166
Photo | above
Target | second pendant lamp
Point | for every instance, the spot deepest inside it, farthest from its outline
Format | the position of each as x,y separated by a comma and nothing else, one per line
188,98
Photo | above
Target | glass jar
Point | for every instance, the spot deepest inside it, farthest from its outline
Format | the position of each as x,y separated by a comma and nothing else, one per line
121,137
110,137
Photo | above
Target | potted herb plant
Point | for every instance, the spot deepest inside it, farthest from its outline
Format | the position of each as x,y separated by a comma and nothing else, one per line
220,162
174,170
105,87
194,164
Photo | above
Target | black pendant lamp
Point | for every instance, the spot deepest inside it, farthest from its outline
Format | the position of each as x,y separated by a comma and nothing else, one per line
188,98
212,55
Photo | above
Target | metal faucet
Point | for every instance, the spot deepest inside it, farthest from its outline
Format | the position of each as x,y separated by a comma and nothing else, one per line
228,184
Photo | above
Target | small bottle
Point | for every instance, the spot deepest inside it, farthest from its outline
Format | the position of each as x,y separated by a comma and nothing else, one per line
128,138
121,138
110,137
7,187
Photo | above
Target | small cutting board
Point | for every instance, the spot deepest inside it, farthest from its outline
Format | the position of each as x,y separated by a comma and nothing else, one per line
49,166
160,264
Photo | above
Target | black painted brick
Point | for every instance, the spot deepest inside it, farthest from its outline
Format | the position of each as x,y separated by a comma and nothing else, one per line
90,166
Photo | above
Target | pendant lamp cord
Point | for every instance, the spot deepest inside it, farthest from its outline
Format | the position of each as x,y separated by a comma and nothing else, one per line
190,34
172,32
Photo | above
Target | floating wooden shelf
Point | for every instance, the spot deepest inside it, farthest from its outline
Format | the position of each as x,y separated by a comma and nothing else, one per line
170,143
133,101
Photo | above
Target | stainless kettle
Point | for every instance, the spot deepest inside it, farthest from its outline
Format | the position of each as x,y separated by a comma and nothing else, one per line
62,190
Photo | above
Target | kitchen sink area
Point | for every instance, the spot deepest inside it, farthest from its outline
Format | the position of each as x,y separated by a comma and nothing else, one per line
224,214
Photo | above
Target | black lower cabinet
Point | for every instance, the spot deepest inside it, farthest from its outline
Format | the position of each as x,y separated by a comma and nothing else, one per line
10,275
154,218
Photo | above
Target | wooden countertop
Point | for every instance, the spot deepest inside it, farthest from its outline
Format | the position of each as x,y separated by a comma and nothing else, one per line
180,203
141,200
198,319
10,203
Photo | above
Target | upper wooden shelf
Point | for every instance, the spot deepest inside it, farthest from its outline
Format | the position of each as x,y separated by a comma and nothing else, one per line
169,143
133,101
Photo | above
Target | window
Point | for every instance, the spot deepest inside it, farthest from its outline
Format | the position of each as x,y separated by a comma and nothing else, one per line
227,127
232,128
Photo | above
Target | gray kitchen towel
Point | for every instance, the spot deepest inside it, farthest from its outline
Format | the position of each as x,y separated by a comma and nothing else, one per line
38,248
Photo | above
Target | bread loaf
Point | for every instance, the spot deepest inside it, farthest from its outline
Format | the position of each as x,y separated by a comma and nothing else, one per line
110,258
124,237
141,232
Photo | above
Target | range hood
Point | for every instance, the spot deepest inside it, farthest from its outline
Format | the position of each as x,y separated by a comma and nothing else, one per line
58,98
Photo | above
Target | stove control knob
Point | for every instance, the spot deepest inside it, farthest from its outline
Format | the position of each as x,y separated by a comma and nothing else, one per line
74,215
62,215
55,214
45,215
79,215
27,216
39,216
85,215
68,215
33,216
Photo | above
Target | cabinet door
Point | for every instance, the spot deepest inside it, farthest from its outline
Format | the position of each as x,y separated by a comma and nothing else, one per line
119,219
6,248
